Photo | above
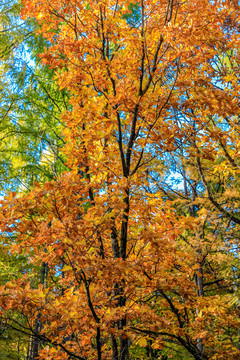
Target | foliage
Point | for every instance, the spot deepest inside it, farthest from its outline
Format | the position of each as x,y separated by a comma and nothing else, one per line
140,237
31,104
30,128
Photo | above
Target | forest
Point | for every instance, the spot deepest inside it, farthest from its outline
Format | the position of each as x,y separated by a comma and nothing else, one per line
119,179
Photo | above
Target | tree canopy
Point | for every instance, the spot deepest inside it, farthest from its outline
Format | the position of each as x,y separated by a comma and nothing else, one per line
136,242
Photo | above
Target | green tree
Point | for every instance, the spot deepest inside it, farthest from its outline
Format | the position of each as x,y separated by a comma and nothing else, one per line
31,106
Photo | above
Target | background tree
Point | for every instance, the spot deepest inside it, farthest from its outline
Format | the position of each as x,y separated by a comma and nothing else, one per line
31,141
31,104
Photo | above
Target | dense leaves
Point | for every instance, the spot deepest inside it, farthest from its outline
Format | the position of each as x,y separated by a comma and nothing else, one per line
138,242
31,105
30,131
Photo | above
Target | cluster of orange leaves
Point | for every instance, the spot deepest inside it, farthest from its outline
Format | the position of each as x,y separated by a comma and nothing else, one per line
120,265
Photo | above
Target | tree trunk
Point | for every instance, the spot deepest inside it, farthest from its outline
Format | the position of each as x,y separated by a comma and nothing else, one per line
35,342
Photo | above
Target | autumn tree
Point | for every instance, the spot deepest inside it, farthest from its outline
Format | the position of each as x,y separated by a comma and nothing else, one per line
138,266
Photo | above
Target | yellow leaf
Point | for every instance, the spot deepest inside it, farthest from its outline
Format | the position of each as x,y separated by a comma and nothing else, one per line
142,342
66,268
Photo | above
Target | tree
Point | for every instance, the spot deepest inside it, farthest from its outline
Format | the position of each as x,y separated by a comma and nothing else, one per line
31,105
129,254
30,131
